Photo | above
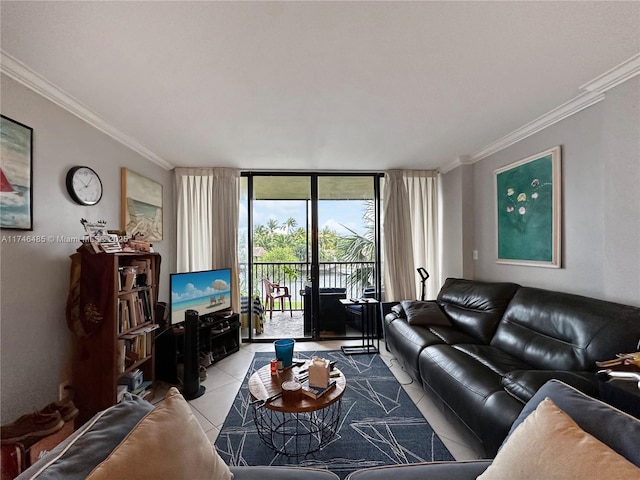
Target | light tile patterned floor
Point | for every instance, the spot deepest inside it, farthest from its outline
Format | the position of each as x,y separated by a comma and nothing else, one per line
225,377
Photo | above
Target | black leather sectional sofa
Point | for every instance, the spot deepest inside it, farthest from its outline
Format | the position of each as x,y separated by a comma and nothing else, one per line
483,349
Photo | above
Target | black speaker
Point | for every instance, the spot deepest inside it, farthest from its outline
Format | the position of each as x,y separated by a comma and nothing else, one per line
191,378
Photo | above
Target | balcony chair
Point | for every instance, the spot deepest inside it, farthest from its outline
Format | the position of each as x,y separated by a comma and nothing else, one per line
273,292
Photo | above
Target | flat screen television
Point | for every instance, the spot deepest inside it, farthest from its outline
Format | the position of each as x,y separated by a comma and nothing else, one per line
207,291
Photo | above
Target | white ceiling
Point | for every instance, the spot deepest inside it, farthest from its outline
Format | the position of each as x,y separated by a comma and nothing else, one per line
318,85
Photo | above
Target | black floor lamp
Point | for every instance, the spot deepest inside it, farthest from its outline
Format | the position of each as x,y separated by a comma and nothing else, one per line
424,274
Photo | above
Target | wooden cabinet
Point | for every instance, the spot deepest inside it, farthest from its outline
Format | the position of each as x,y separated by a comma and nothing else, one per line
117,297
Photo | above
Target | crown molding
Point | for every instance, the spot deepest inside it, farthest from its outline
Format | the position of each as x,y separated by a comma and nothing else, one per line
594,92
22,74
447,167
614,77
554,116
457,162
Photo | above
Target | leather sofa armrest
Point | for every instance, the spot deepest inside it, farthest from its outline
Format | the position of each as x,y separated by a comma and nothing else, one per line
468,470
281,473
606,423
398,311
523,384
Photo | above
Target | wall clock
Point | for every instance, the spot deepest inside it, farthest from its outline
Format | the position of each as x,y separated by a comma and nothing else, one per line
84,185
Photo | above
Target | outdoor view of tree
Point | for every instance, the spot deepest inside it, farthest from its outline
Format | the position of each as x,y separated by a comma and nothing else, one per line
360,248
284,243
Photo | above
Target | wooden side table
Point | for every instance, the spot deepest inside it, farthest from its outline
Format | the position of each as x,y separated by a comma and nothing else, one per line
294,427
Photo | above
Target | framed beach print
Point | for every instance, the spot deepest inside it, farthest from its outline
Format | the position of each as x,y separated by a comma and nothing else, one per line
141,206
16,175
528,210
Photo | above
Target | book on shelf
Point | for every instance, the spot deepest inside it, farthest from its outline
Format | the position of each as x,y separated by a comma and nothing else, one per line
145,297
138,344
121,353
127,278
316,392
144,272
124,316
141,390
145,329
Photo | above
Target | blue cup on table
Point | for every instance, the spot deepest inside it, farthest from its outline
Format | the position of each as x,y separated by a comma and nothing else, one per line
284,352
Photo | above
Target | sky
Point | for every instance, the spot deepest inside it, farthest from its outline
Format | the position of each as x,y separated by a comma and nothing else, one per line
331,213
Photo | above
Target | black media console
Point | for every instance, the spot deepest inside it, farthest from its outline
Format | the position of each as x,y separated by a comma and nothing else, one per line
218,335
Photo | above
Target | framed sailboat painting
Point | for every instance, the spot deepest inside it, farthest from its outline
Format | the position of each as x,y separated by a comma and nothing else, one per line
16,175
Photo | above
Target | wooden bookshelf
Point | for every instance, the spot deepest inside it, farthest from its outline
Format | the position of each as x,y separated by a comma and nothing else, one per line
125,339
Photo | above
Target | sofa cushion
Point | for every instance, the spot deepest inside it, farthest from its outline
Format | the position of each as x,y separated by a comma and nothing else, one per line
451,335
523,384
493,358
472,390
475,307
167,443
560,331
424,313
549,444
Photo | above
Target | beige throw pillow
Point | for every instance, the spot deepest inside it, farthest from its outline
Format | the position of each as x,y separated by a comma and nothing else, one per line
167,443
550,445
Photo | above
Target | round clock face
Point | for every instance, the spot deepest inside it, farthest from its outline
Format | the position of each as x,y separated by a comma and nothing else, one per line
84,185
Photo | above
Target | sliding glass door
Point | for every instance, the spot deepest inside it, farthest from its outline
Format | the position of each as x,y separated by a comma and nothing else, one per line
306,241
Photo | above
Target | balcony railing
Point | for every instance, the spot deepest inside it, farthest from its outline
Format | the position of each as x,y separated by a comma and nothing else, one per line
294,275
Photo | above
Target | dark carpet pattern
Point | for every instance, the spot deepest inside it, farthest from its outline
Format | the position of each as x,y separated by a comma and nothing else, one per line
379,424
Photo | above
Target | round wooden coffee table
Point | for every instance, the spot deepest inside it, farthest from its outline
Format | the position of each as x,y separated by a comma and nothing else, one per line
294,426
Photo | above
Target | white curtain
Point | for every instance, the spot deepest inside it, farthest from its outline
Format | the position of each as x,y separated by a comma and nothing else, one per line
410,227
208,202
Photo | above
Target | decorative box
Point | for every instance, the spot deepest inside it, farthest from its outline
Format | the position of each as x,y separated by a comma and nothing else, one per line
319,372
131,379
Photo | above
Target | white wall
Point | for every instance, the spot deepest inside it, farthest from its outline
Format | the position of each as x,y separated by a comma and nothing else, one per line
601,205
621,225
34,278
457,223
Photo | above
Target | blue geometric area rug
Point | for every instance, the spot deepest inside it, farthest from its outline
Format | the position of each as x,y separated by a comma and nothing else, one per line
379,424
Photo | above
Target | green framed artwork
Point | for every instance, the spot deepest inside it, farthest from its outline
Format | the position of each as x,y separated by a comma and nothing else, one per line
528,210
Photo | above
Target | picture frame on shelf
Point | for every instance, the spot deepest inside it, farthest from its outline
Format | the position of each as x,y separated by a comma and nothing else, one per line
141,207
110,243
16,175
528,210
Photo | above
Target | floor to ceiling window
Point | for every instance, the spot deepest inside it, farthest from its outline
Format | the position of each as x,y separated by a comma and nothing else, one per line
306,241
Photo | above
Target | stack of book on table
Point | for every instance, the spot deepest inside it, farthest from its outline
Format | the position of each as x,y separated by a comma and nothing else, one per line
316,392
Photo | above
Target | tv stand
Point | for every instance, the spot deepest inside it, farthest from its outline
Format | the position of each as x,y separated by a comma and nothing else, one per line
215,336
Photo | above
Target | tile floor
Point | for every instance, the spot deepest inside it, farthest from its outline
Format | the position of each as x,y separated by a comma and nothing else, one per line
225,377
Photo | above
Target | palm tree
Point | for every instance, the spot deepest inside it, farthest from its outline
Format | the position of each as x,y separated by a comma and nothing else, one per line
272,226
358,248
290,223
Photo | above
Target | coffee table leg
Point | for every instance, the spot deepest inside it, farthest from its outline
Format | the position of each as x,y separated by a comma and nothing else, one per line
297,434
